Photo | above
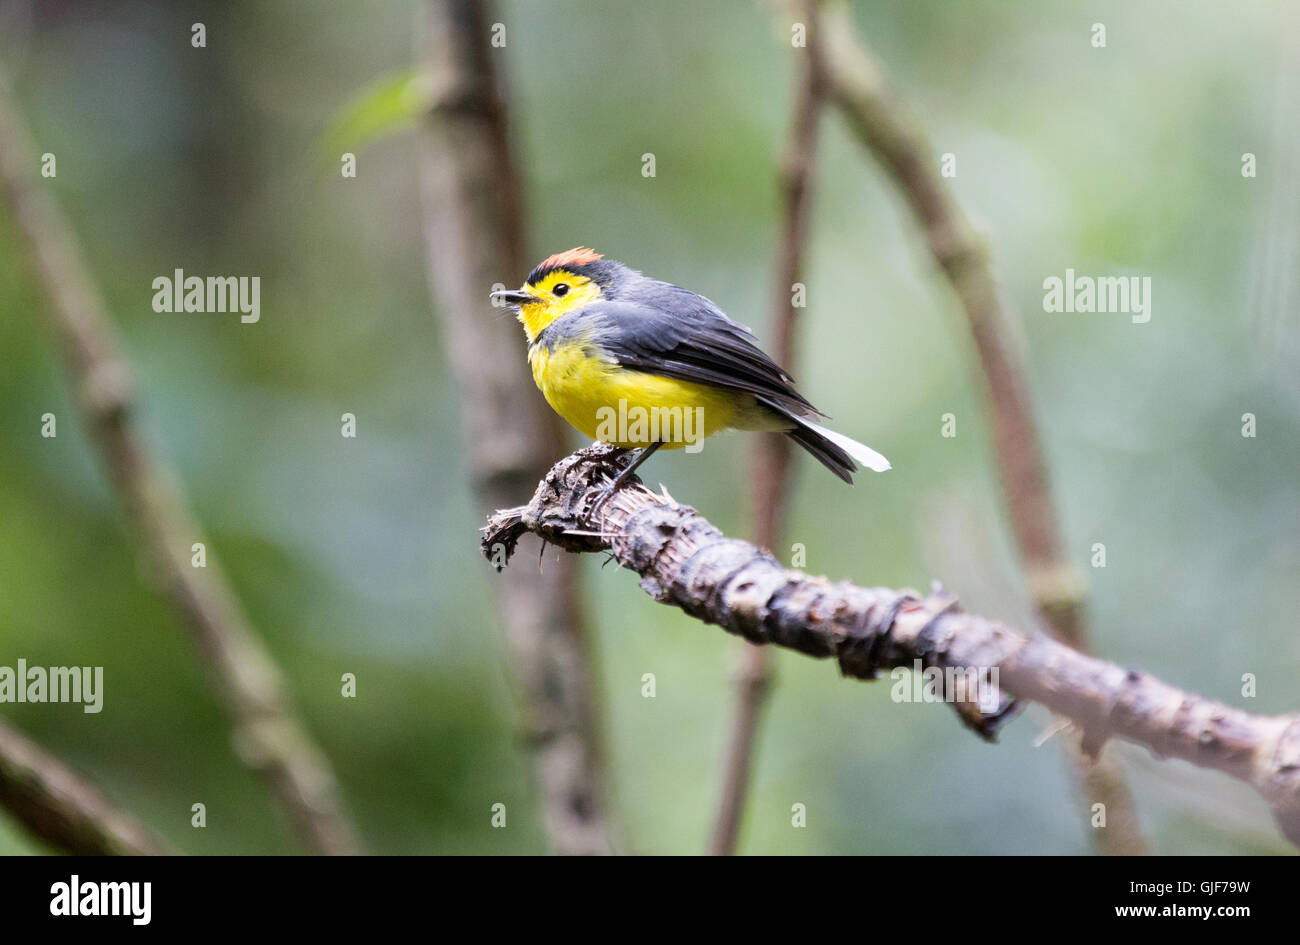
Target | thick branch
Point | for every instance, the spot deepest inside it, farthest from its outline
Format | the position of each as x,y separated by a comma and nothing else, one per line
63,808
266,731
685,561
855,82
475,233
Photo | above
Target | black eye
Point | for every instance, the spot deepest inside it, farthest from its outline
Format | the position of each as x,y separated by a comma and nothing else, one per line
561,290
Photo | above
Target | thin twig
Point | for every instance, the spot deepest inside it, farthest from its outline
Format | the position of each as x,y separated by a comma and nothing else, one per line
475,234
772,453
856,83
686,562
266,732
62,808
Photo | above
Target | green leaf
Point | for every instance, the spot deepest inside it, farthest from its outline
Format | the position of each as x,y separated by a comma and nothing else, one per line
386,106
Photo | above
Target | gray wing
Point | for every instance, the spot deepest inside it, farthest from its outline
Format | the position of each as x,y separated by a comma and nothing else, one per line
683,336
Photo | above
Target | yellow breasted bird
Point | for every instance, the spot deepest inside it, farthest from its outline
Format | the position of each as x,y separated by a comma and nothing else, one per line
612,349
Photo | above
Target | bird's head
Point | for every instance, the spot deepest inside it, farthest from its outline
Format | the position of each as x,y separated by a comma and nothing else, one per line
561,283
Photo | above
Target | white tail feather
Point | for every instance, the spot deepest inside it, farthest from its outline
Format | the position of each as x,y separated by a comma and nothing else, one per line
862,453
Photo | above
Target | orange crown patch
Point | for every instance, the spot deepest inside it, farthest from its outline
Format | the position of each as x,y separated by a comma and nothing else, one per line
574,258
578,256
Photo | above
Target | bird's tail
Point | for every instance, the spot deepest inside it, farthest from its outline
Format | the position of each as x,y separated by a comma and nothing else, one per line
834,450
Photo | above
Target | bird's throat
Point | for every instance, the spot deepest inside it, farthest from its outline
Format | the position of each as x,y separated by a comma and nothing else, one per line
535,317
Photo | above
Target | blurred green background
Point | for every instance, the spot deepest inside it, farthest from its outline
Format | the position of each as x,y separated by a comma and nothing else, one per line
361,555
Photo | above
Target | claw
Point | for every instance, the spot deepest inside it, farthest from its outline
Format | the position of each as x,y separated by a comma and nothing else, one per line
601,498
608,492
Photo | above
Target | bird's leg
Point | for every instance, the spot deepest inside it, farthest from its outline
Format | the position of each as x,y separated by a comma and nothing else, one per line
622,478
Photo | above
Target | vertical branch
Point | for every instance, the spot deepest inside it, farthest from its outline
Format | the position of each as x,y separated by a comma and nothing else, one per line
856,84
475,234
64,809
772,453
267,734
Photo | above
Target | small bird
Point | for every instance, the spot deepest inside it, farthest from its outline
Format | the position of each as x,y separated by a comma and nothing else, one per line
639,363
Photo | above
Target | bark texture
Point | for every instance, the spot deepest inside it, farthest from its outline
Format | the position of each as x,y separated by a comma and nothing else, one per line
686,562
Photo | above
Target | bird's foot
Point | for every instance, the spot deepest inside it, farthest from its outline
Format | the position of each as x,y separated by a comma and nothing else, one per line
620,480
607,493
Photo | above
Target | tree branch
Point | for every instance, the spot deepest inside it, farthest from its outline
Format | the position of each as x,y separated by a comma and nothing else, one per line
856,83
63,808
686,562
772,453
266,732
475,233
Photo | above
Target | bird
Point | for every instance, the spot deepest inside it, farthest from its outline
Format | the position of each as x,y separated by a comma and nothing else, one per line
613,351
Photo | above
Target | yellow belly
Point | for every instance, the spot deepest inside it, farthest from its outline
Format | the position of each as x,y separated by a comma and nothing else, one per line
631,409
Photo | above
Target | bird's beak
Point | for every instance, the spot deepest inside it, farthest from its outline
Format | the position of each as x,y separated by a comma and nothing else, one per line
514,297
